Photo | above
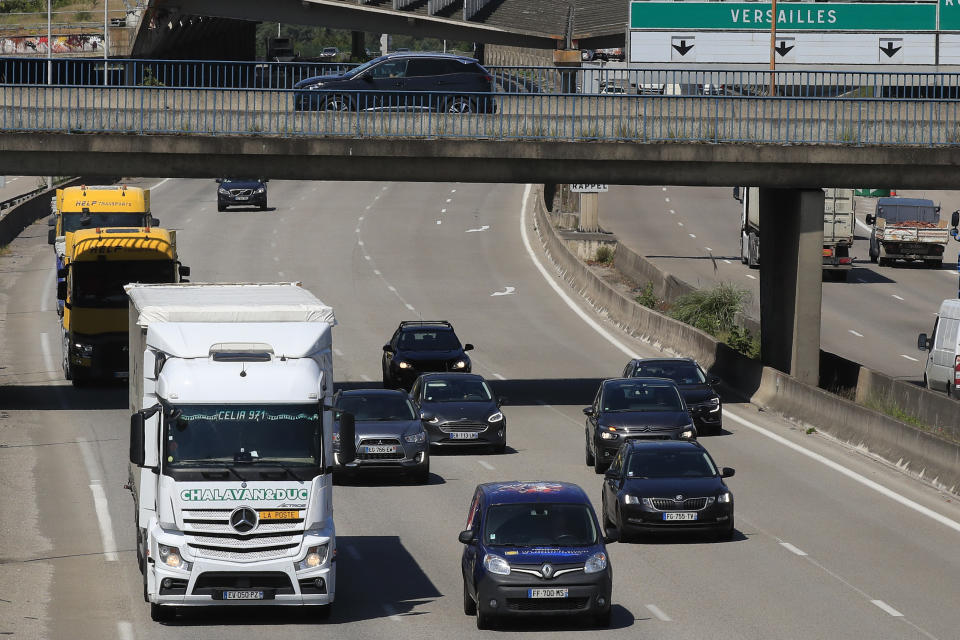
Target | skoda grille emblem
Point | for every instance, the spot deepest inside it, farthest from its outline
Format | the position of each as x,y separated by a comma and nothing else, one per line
679,498
547,571
243,520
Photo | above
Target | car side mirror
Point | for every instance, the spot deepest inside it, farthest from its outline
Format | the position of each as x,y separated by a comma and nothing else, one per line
727,472
955,218
348,438
870,218
501,401
61,291
467,537
51,236
468,347
219,180
611,474
388,348
426,417
923,342
588,411
714,380
137,449
611,534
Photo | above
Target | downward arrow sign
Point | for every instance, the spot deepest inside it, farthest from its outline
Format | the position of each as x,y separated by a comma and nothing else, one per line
682,48
783,49
890,50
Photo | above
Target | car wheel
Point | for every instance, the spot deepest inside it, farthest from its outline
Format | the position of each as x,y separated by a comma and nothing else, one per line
587,454
337,102
460,104
263,207
727,532
602,620
484,620
469,606
599,466
421,475
160,613
607,523
221,208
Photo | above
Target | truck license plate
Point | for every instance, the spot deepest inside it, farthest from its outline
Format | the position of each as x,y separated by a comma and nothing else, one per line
547,593
680,515
243,595
464,435
380,448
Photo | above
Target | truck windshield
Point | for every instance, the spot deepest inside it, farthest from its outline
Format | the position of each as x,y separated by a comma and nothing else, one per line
74,221
539,524
100,284
244,434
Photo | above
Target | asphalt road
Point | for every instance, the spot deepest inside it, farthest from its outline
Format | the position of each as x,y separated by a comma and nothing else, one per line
830,544
873,318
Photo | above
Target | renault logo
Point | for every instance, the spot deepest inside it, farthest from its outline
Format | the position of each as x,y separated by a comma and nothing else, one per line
547,571
243,520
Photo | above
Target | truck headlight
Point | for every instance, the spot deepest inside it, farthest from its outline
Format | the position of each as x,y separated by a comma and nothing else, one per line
496,564
460,364
724,497
315,557
628,499
416,438
497,417
595,563
86,350
170,556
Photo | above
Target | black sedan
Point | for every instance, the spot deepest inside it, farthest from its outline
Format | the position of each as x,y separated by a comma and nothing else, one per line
628,408
233,192
459,409
695,386
667,486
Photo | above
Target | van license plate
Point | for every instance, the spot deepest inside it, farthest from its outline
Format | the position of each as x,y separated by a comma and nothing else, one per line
464,435
680,516
547,593
243,595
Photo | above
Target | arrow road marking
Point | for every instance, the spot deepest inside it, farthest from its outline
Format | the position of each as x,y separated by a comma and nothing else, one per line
682,48
483,228
506,292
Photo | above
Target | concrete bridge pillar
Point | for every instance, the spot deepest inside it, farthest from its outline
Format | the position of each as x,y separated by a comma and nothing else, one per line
791,231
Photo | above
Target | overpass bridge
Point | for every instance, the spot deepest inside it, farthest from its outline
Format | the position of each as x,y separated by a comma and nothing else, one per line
787,146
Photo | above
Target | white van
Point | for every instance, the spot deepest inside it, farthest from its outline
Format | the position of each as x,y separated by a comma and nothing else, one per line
943,362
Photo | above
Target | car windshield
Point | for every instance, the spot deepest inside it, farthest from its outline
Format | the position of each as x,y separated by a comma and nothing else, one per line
244,434
537,524
100,284
429,340
670,464
641,396
74,221
366,65
471,390
377,407
228,181
679,372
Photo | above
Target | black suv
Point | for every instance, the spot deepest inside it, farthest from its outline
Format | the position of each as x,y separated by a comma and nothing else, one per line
695,387
401,81
422,346
241,192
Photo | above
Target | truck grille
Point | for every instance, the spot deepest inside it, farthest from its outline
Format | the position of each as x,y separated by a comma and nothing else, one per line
209,535
690,504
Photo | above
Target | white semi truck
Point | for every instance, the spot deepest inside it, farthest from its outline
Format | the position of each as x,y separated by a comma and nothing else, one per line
231,445
838,225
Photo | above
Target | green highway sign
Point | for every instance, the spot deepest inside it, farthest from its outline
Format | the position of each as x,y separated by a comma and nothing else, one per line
793,16
950,15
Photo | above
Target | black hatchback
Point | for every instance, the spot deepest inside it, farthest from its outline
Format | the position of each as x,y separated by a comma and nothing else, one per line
695,386
402,81
422,346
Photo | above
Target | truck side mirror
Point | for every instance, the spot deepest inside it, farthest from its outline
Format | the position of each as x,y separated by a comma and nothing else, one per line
51,236
923,344
183,270
955,218
348,438
870,218
736,194
61,291
154,222
137,449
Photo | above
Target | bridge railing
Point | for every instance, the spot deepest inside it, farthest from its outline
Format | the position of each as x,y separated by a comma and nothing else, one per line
490,116
587,80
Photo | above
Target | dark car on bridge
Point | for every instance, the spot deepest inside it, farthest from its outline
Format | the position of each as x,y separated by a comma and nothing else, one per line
666,486
534,549
633,408
232,192
696,387
402,81
422,346
460,409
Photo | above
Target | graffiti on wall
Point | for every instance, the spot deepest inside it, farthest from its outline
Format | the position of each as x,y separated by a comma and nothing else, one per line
72,43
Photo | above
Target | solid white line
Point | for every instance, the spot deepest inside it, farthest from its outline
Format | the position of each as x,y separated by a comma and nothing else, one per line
903,355
410,306
728,262
751,276
792,549
125,630
160,184
486,465
48,291
498,376
338,352
856,333
391,612
655,610
883,605
893,295
89,461
48,363
103,519
365,377
853,475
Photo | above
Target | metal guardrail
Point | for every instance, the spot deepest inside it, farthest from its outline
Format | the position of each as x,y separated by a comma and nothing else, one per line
14,201
515,116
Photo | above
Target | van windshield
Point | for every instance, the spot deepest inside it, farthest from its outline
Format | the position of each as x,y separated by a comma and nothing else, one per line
537,524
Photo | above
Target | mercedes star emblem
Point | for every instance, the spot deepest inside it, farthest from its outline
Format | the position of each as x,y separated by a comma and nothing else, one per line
243,520
547,570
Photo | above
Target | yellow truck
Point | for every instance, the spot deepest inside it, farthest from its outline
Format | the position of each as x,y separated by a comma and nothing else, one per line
99,262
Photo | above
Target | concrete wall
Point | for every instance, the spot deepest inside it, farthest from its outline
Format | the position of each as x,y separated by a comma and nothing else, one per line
15,219
924,455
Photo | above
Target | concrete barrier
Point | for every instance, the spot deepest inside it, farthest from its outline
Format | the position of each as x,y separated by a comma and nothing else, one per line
15,219
923,454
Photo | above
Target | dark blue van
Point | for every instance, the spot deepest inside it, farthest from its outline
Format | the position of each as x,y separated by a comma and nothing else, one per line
534,548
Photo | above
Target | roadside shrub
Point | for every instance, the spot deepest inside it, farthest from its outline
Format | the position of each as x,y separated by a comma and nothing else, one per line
604,255
711,310
647,298
744,341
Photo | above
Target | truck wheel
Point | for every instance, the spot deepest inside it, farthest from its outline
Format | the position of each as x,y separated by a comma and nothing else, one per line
753,259
883,262
743,254
159,613
935,264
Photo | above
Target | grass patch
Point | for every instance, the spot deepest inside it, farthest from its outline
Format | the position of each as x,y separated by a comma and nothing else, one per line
894,410
744,341
810,431
648,298
4,250
711,310
604,255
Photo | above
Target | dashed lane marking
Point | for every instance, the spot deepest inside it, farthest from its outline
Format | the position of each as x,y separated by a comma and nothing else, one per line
911,358
856,333
338,352
499,377
103,519
691,235
792,549
893,295
486,465
410,307
655,610
708,249
728,262
391,612
124,630
365,377
751,276
887,608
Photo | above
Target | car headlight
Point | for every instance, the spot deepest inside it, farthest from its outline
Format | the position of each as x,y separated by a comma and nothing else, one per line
595,563
170,556
606,435
497,417
416,438
223,192
261,189
688,434
460,364
628,499
714,401
403,365
315,557
725,497
313,87
496,564
86,350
